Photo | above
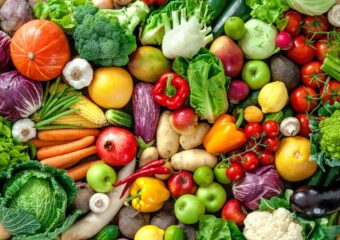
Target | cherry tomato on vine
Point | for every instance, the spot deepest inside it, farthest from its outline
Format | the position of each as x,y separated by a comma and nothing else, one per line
253,130
250,161
235,172
234,157
321,49
331,93
250,144
301,99
301,53
271,128
312,74
312,24
272,143
304,125
294,21
266,158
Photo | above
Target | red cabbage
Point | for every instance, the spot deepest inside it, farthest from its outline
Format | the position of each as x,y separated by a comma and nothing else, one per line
264,182
19,96
5,41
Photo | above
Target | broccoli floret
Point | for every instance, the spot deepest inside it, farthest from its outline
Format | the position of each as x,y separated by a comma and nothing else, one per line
330,135
105,38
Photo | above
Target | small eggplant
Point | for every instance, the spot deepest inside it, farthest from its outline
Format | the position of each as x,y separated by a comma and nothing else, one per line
313,202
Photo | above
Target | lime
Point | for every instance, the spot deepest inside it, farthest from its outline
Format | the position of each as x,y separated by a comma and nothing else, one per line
234,28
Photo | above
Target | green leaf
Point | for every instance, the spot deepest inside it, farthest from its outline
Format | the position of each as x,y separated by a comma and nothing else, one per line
267,10
180,66
236,234
276,202
211,227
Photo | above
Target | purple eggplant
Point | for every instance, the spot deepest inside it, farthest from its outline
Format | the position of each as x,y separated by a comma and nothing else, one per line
145,111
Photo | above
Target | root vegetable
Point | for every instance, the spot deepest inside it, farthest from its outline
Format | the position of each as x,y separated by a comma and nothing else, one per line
164,219
195,139
99,202
149,154
67,134
238,90
92,223
167,138
4,235
191,159
82,199
79,172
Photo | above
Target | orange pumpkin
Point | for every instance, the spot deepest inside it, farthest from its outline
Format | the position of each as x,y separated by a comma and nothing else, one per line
40,50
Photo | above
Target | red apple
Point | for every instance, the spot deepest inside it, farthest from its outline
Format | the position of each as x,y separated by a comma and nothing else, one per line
184,121
182,183
234,211
230,55
116,146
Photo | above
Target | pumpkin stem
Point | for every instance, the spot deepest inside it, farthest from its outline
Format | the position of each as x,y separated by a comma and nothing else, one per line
31,56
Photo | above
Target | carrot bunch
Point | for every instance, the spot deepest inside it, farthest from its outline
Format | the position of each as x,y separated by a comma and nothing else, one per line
64,148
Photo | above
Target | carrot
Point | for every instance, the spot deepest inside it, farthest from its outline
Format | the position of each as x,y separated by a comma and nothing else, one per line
47,152
42,143
79,172
67,134
69,159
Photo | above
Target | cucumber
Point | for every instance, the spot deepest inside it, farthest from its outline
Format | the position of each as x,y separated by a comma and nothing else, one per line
252,99
110,232
119,118
218,6
235,8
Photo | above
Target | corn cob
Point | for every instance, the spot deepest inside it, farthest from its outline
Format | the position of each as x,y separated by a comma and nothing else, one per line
79,121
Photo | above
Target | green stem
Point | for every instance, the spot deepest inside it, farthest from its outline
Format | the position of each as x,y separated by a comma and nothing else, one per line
130,198
48,121
240,117
48,127
45,94
170,90
55,87
175,19
331,72
166,22
142,145
60,104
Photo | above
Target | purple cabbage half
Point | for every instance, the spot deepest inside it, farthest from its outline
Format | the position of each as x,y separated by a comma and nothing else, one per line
5,55
264,182
145,111
19,96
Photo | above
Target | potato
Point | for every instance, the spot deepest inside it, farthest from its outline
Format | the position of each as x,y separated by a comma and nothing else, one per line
149,154
191,159
195,139
2,2
167,140
165,176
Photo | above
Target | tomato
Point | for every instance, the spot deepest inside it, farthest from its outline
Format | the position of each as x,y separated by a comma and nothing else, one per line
300,99
312,24
237,158
272,143
253,130
266,158
234,172
321,49
312,74
250,144
331,93
301,53
271,128
304,125
294,21
250,161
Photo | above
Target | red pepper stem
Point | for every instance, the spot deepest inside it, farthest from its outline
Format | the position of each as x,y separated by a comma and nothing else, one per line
170,90
240,118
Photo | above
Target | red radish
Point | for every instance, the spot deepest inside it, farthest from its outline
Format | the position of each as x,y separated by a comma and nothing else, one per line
238,90
184,121
234,211
284,41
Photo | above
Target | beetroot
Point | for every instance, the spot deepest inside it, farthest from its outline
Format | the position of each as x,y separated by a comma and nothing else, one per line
238,90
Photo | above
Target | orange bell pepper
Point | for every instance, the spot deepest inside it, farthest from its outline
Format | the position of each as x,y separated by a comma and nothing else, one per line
224,135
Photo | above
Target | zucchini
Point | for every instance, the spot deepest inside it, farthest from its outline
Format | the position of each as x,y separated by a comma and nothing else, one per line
218,6
110,232
119,118
235,8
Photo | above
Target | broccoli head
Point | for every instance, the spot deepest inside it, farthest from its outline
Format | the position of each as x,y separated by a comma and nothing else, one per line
330,135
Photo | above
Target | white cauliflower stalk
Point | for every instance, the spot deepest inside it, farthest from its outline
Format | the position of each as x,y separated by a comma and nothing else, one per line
279,225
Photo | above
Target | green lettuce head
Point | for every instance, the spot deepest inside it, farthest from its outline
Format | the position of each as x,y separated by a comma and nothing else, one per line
34,200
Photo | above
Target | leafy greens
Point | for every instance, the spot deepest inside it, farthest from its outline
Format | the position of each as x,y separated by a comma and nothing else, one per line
267,10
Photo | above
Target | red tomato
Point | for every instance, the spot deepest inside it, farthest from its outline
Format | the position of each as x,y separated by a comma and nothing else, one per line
321,49
237,158
266,157
300,99
294,21
331,93
234,172
253,130
304,125
271,128
312,74
301,53
250,161
272,143
312,24
250,144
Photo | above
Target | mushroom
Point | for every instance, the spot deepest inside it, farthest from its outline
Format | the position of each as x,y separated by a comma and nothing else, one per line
290,126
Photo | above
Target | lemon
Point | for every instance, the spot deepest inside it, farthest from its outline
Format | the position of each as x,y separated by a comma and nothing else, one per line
273,97
149,232
292,159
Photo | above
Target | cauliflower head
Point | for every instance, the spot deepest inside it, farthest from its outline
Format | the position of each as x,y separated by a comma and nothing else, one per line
279,225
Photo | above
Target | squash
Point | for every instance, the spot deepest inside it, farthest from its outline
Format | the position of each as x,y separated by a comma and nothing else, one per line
40,50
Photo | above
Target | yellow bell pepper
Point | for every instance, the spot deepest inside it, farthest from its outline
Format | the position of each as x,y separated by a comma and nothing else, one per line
148,194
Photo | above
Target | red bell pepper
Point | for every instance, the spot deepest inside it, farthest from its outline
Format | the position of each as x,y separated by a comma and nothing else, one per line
171,91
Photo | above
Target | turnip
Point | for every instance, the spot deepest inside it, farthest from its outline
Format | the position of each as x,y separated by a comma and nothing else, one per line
238,90
284,41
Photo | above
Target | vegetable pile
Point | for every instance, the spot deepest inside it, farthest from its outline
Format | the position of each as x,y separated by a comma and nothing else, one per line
169,119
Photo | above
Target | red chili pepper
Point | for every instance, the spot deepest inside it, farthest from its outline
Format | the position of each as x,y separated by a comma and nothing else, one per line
157,2
171,90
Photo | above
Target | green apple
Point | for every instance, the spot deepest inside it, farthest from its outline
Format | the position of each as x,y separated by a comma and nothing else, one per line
213,196
188,209
234,28
174,232
203,176
100,177
256,74
221,175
